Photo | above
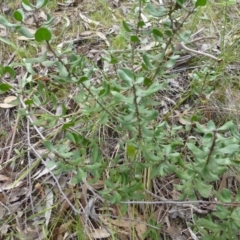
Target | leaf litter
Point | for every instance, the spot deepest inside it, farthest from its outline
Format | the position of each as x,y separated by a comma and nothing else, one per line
37,194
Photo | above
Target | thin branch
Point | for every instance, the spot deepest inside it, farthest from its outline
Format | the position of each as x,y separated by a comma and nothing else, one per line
199,52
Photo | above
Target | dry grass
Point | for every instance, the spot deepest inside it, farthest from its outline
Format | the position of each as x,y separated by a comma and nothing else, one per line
29,199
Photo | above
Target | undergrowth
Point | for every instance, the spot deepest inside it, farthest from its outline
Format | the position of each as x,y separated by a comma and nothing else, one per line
128,136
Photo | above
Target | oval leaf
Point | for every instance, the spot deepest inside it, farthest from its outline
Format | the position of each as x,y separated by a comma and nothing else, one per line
126,75
19,15
43,34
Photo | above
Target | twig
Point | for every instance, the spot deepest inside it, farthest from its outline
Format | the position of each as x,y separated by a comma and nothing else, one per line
234,204
184,204
13,137
199,52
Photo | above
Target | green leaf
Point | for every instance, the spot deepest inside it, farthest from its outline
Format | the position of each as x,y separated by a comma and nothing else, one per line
168,32
208,175
43,34
29,69
224,196
226,126
207,224
25,32
179,3
36,60
156,12
125,26
200,3
48,63
80,175
203,189
223,161
4,22
201,129
70,137
226,193
103,118
50,20
116,198
65,154
141,24
94,166
96,155
4,87
82,79
27,7
8,42
19,15
51,164
157,32
10,71
68,125
150,115
147,61
152,89
211,125
235,216
120,97
194,118
147,82
26,2
41,3
131,151
157,35
238,196
233,148
197,152
152,156
106,89
90,72
135,38
222,212
62,70
170,63
129,117
126,75
208,139
49,146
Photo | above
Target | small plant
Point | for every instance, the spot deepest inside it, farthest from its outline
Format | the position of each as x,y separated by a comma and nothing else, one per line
115,130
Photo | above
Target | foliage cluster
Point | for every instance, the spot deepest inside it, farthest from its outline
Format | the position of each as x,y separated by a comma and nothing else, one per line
125,103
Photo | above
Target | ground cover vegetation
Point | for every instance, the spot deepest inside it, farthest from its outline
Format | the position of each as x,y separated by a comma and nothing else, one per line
119,120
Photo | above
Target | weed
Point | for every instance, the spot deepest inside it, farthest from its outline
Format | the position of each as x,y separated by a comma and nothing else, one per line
119,138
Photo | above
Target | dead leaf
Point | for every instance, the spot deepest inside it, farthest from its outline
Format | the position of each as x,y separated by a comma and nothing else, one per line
16,193
181,119
3,198
4,178
4,228
102,36
141,228
3,31
88,20
64,227
49,204
65,205
8,186
146,21
40,190
43,15
8,102
100,233
175,233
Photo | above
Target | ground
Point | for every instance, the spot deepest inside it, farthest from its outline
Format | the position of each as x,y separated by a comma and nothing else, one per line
72,167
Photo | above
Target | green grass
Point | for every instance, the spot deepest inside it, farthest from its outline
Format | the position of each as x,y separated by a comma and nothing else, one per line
112,138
